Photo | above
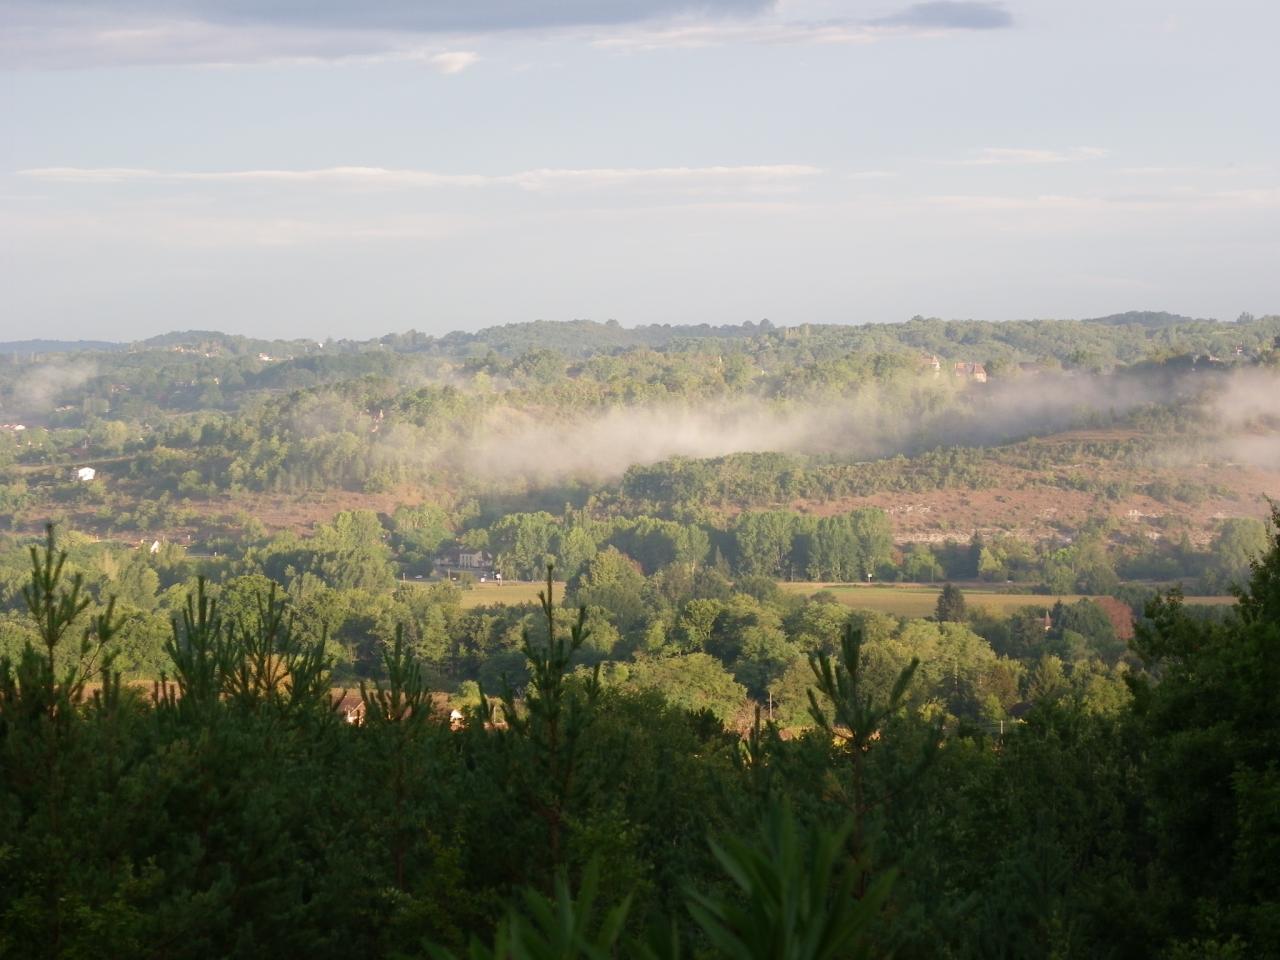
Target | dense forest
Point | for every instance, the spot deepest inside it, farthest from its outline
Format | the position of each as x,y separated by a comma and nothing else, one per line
230,810
652,466
935,639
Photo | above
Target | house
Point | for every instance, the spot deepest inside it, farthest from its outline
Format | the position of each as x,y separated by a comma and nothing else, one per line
465,559
474,559
931,362
86,474
350,707
971,371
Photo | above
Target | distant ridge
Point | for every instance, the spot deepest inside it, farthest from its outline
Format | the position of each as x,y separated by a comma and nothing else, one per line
574,338
58,346
1145,318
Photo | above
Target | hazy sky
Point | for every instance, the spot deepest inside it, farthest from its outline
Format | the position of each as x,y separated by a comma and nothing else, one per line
351,167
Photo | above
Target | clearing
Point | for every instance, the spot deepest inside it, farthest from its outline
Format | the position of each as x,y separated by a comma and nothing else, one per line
920,600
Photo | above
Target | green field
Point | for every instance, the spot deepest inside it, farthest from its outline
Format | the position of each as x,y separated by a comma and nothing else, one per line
487,594
920,601
913,600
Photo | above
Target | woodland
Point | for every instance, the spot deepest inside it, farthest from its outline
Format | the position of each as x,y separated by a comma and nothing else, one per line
254,703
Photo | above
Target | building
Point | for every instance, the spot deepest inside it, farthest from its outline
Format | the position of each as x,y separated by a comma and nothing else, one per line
458,559
474,559
971,371
86,474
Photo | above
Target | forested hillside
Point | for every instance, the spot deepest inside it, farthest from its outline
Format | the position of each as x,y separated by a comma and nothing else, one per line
240,808
952,604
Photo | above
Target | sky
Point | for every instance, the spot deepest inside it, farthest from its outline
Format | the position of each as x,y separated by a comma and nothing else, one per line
301,168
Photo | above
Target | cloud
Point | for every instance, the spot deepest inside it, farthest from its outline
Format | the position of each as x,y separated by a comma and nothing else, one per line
921,18
981,203
535,180
418,16
1244,200
170,227
958,15
992,156
80,33
692,35
454,61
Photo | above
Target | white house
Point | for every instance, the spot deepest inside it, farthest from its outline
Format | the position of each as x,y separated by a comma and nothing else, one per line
86,474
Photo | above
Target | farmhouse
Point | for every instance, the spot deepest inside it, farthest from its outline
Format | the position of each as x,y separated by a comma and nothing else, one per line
971,371
464,560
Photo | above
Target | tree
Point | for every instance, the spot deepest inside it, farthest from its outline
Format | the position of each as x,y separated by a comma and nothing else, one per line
848,714
550,723
1240,542
951,605
422,529
521,543
351,552
613,583
763,542
1213,732
692,681
804,899
921,564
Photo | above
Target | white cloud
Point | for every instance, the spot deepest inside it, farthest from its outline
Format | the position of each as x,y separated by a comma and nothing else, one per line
539,179
84,33
174,228
696,34
1259,198
991,156
982,202
77,34
454,61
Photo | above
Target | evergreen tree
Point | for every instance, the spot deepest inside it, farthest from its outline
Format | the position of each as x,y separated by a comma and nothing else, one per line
951,605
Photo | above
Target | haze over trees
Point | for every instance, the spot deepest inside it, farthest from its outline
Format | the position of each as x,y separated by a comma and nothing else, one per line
941,651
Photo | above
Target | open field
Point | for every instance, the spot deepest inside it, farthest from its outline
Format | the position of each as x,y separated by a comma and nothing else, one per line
919,600
487,594
901,600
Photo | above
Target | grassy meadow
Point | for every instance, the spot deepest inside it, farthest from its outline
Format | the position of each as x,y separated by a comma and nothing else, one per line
900,600
920,600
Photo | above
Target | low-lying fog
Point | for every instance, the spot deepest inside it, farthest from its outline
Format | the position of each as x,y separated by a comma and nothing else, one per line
1244,405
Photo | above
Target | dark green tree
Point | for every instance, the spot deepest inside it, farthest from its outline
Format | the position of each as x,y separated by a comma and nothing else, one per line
951,605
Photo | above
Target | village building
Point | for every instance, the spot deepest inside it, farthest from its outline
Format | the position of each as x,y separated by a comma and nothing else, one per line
86,474
971,371
458,559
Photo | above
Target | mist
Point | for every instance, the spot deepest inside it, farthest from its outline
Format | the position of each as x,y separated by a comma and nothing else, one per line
40,387
875,423
1248,410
